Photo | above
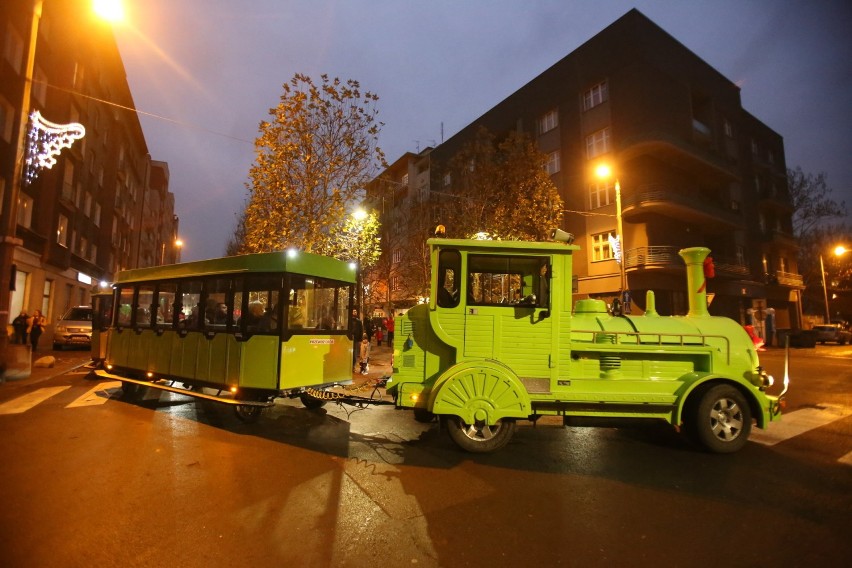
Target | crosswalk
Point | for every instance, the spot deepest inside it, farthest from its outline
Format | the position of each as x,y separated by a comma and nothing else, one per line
792,424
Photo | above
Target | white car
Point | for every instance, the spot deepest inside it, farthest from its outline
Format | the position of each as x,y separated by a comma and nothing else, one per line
74,328
832,332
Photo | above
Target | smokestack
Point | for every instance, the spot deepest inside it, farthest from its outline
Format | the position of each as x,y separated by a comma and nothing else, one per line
696,283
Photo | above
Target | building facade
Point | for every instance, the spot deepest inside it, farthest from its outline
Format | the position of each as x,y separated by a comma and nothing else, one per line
104,206
694,169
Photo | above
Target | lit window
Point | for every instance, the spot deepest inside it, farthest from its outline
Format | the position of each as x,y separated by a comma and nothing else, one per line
597,143
548,122
600,246
25,210
62,231
448,179
405,180
601,194
595,96
552,165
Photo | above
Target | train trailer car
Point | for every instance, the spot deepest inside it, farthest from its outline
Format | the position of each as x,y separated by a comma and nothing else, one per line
240,330
499,342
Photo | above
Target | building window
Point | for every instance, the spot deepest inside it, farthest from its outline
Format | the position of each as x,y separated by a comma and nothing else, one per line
96,219
62,231
754,147
595,96
405,180
397,256
395,283
45,298
729,128
782,264
548,122
68,181
40,86
7,119
13,49
740,255
93,254
601,194
601,250
448,179
25,210
552,164
770,157
597,143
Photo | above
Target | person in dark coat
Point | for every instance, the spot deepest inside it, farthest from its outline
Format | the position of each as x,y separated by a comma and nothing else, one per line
20,324
38,325
357,329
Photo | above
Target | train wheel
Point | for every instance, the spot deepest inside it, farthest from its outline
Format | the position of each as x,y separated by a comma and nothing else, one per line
480,437
247,414
722,420
131,392
311,402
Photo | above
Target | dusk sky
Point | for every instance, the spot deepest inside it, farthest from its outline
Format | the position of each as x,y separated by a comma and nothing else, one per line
205,73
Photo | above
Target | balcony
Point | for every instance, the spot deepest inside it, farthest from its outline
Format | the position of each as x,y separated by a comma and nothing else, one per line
789,279
666,258
688,206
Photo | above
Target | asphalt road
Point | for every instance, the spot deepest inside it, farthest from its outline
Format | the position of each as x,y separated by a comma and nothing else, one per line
89,480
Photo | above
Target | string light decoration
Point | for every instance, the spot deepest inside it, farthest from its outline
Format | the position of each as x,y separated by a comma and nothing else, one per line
45,141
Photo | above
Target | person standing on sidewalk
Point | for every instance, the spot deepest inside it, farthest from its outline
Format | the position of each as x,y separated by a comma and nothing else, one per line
389,327
20,325
357,329
37,328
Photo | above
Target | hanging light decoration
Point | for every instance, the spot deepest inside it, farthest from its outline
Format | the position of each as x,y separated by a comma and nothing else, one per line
45,141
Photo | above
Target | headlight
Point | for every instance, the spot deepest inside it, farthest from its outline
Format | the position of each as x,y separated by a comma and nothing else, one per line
60,328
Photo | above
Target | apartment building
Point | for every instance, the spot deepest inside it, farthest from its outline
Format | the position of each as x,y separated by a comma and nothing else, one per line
105,205
694,169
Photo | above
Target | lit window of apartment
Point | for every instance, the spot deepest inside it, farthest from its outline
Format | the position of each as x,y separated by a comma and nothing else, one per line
601,194
595,96
25,210
782,264
552,164
405,180
397,256
740,255
7,119
729,128
395,283
13,49
548,122
448,179
600,246
597,143
765,262
62,231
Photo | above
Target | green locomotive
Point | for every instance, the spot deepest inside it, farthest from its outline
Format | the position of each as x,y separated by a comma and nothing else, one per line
499,342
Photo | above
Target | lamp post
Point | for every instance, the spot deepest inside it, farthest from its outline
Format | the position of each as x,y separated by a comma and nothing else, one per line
359,215
603,171
838,251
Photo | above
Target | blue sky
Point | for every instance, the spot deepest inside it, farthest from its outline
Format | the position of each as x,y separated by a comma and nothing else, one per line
214,68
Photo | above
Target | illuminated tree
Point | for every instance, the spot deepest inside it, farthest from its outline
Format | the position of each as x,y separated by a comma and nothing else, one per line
501,188
314,156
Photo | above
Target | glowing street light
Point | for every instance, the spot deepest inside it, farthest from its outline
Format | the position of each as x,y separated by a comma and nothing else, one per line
109,10
839,250
604,171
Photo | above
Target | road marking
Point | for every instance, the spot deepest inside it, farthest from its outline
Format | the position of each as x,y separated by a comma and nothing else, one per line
97,395
798,422
24,403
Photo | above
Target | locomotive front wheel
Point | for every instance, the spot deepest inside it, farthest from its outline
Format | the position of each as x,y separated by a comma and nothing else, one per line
311,402
722,420
479,437
247,414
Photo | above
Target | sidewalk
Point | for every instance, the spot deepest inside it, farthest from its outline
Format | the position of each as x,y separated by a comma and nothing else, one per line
380,364
65,361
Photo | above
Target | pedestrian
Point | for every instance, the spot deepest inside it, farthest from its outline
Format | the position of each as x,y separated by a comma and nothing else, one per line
357,330
389,326
364,354
379,336
36,328
368,329
20,324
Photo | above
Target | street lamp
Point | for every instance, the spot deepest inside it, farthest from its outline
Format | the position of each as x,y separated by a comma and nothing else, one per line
839,250
603,171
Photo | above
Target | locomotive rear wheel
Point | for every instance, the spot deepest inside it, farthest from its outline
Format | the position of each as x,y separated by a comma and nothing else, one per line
722,420
480,437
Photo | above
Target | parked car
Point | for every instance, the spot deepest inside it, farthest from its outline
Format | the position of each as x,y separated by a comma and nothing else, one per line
74,328
832,332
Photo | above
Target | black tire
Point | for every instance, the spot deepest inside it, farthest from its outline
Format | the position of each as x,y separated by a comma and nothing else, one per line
247,414
131,392
721,421
480,438
311,402
423,416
